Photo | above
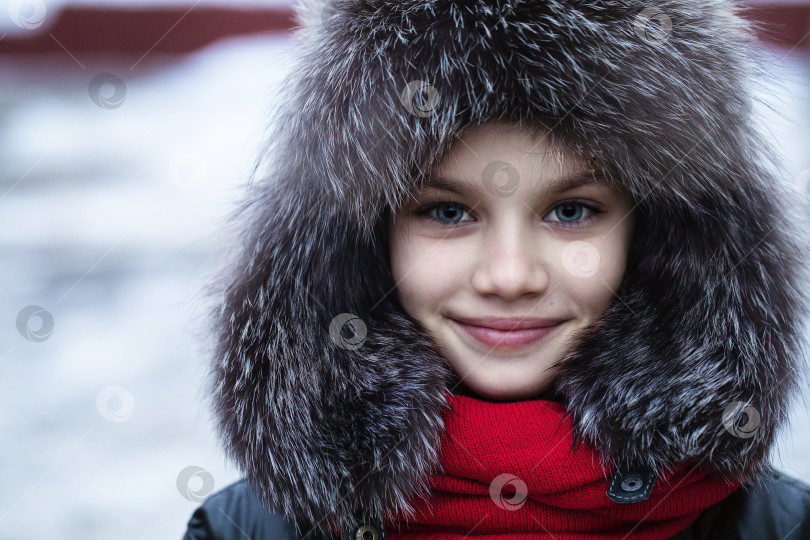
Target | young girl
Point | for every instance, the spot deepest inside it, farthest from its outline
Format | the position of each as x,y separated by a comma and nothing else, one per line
516,269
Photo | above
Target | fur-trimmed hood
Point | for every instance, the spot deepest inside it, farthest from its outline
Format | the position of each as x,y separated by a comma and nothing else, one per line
329,397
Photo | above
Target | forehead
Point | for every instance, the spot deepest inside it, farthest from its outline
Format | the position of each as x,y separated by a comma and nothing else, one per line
438,181
512,153
498,137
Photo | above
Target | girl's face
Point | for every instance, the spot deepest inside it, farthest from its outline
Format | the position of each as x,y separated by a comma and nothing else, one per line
498,236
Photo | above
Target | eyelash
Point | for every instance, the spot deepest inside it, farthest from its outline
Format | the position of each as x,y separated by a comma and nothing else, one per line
424,212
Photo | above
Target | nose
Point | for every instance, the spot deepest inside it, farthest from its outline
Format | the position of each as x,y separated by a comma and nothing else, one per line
511,262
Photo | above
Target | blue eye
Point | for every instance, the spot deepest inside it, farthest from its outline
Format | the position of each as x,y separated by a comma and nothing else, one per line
450,217
564,210
568,213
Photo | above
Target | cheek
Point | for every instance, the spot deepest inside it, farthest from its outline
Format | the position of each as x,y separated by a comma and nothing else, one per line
592,271
425,272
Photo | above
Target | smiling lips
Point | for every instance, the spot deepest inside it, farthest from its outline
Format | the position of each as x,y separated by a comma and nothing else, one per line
507,332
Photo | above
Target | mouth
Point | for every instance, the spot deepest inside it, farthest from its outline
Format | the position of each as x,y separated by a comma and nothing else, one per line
497,338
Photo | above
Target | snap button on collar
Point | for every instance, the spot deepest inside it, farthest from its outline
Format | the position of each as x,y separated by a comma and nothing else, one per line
631,485
364,530
367,532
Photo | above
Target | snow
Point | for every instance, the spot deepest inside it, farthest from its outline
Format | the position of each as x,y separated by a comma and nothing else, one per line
110,221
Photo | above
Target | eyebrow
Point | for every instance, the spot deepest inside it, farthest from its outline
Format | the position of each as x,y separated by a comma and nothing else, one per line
554,187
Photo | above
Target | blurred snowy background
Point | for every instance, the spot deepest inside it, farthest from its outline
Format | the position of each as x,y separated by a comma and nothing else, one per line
113,189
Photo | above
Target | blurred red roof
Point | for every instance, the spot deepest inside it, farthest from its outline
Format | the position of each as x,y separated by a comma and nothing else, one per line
130,30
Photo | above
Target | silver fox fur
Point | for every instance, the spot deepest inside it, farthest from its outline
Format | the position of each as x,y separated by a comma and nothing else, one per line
710,310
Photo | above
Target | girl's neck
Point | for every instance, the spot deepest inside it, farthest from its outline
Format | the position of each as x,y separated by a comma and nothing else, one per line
461,389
